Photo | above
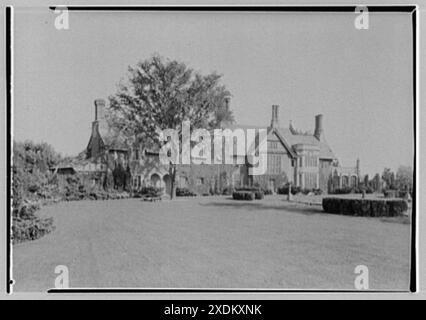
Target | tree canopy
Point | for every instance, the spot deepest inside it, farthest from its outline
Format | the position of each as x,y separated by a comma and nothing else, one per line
160,94
404,177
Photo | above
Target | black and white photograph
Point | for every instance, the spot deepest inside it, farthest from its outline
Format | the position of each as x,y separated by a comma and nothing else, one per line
251,149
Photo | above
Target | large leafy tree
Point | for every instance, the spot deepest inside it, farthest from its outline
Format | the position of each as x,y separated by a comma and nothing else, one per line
388,176
404,178
160,94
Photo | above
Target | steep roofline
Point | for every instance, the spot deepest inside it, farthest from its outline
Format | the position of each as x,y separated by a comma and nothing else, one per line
283,141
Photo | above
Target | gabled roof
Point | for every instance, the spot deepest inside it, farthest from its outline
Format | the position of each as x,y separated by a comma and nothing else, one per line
309,139
289,139
286,145
284,141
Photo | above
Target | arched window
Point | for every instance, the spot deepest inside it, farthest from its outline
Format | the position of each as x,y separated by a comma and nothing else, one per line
354,181
345,181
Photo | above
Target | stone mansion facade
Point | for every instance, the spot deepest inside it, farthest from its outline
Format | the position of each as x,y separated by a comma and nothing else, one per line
303,159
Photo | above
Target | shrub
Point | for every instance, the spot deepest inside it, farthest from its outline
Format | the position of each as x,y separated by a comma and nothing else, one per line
317,192
347,190
267,191
344,190
26,225
150,191
369,190
30,228
256,191
365,207
184,192
227,191
243,195
307,191
390,193
259,195
31,188
284,189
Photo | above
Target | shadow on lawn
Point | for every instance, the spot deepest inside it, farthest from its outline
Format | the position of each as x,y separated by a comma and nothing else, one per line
255,206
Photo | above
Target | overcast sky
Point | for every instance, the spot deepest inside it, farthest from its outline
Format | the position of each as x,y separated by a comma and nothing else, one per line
308,63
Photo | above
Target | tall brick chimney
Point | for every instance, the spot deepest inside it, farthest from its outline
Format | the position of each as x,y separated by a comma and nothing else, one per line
99,109
319,131
358,167
274,120
96,144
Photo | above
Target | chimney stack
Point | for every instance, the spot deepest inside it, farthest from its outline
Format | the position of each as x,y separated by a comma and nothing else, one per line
358,167
318,127
274,120
99,109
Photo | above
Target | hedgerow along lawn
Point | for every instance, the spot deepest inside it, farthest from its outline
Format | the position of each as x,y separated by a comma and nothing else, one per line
212,242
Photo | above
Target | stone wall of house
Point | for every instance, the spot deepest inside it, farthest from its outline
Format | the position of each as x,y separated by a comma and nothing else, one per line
325,171
208,179
200,179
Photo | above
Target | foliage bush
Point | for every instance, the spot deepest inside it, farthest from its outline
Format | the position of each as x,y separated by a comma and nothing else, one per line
363,188
295,190
347,190
284,189
259,195
149,191
317,192
390,193
227,191
31,187
267,191
365,207
257,191
344,190
184,192
30,228
243,195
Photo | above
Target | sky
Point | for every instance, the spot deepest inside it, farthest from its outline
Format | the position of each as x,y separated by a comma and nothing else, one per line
307,63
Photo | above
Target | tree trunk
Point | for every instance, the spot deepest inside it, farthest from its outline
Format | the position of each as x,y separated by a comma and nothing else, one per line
172,173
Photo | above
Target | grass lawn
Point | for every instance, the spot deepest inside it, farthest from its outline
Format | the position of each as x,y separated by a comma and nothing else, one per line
212,242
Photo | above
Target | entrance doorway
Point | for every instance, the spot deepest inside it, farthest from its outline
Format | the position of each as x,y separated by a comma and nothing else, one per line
168,184
155,180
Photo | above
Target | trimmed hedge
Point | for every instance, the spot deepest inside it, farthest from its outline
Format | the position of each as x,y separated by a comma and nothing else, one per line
243,195
258,192
365,207
295,190
184,192
284,189
149,191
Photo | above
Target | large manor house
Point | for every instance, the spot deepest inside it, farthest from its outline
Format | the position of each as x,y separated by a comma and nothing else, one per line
302,159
